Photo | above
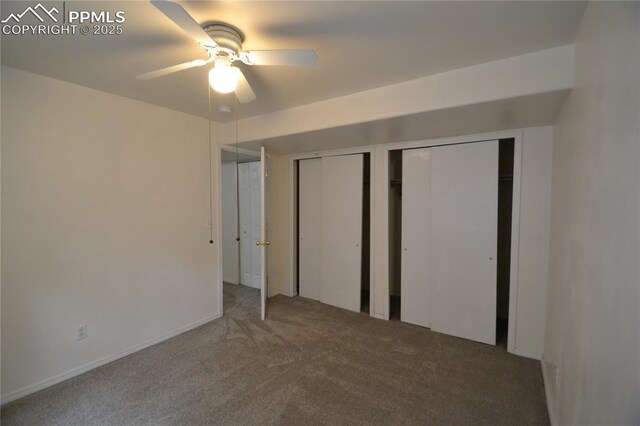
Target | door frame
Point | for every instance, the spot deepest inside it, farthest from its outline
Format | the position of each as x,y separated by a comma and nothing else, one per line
264,232
216,188
379,268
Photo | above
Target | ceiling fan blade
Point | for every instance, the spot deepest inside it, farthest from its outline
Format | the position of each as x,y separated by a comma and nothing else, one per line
244,92
291,57
169,70
181,18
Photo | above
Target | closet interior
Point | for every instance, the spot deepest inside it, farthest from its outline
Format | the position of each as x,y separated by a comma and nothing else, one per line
505,208
395,229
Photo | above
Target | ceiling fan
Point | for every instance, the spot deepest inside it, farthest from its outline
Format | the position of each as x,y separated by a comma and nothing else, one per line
223,44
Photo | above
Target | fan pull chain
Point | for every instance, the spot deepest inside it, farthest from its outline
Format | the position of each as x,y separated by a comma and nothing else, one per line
210,221
237,179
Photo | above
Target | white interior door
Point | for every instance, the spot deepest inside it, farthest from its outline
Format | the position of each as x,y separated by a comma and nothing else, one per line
414,270
249,214
256,225
341,238
246,242
264,242
463,240
309,190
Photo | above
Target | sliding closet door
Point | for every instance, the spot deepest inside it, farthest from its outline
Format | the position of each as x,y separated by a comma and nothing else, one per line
309,190
342,186
463,240
414,269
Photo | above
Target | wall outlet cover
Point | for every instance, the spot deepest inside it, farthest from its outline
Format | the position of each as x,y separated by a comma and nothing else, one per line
82,332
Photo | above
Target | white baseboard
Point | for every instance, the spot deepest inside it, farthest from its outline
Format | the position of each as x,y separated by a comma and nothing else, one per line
551,406
29,389
527,355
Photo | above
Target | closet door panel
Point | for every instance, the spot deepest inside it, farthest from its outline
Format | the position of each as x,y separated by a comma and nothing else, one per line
414,269
309,185
341,238
463,240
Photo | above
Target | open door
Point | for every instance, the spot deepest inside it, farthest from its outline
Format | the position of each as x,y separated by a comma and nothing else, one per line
263,243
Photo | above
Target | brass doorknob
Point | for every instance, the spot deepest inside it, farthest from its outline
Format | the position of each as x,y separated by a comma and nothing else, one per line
263,243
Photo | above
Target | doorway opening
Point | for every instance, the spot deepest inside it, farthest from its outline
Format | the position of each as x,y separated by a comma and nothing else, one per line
240,219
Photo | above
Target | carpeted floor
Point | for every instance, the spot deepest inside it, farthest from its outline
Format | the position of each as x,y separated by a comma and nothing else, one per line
309,363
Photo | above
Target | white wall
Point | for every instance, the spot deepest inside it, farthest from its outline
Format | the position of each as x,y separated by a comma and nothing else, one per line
379,239
229,204
104,209
533,247
592,340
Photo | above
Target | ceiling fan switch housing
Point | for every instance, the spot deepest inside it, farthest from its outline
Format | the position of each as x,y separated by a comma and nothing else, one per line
226,37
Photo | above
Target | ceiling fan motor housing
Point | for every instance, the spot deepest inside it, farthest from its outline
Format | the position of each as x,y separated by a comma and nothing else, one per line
226,37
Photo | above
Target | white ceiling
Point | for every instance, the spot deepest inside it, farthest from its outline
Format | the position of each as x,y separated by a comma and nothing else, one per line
361,45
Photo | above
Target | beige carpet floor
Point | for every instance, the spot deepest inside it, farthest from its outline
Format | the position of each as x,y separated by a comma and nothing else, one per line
308,363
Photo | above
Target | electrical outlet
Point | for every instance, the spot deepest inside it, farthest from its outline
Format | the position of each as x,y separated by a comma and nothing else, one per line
82,332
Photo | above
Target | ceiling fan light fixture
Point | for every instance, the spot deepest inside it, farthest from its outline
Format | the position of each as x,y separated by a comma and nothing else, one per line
223,44
223,78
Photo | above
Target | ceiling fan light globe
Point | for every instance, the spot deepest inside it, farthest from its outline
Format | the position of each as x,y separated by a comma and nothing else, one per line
224,78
